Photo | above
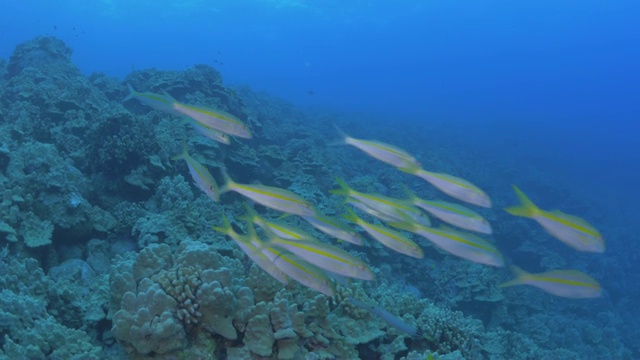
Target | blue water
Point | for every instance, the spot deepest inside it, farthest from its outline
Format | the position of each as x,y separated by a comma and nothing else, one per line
543,94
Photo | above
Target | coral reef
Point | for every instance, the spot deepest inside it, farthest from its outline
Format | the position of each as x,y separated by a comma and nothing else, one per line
89,189
31,323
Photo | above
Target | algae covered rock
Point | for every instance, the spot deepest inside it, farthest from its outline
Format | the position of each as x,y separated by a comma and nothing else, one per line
41,53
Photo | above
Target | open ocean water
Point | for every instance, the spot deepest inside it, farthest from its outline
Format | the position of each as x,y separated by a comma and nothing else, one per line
266,179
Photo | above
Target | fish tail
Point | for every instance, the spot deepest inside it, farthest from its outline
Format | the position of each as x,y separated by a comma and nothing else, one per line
411,196
270,241
520,275
226,226
131,93
527,208
342,137
169,98
250,213
228,182
344,188
184,154
251,230
283,216
351,216
360,304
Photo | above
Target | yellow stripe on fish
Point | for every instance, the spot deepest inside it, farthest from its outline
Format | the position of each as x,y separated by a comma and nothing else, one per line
452,214
200,175
211,133
325,256
156,101
564,283
387,237
455,187
271,197
249,245
383,207
465,245
216,119
278,229
302,271
384,152
570,229
334,227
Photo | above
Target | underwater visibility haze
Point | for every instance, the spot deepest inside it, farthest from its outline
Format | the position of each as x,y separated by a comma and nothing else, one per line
264,179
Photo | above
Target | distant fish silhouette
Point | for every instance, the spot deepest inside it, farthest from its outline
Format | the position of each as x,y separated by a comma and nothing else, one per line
310,92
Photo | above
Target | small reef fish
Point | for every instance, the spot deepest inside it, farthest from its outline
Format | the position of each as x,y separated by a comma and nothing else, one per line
211,133
335,228
325,256
452,214
569,229
200,175
382,207
388,318
215,119
280,230
465,245
384,152
387,237
248,246
303,272
455,187
269,196
414,215
398,214
162,102
564,283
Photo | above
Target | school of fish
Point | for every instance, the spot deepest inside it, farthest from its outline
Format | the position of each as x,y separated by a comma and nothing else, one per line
286,252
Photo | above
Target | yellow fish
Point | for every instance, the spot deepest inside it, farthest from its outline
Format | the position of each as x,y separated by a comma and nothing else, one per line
384,152
215,119
269,196
387,237
200,175
565,283
455,187
569,229
250,246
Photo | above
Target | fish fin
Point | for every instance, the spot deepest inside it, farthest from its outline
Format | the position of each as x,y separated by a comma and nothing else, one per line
411,196
519,273
351,216
342,137
250,213
184,154
228,182
131,93
283,216
226,227
344,188
526,208
271,240
251,231
169,97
